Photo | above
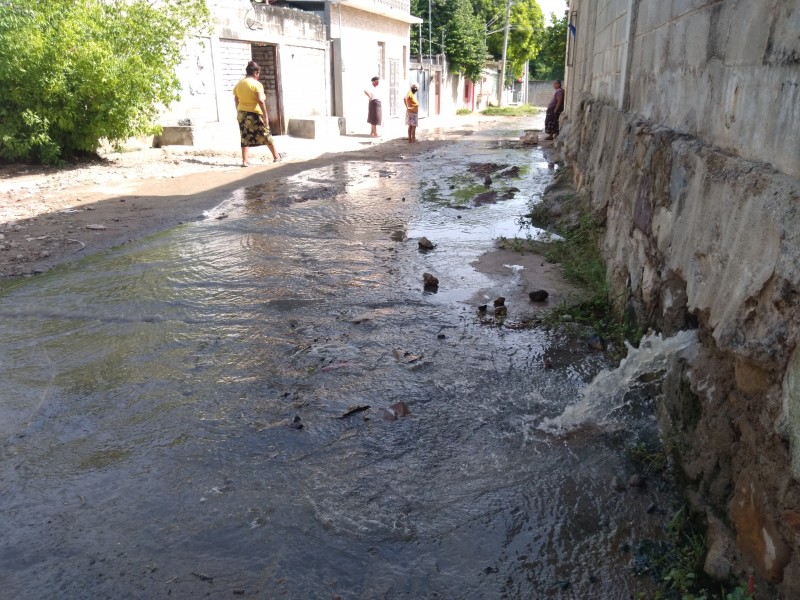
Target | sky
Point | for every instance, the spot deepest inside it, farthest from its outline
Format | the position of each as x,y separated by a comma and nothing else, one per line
552,6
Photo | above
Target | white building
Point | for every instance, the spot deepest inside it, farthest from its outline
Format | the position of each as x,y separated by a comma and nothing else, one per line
317,58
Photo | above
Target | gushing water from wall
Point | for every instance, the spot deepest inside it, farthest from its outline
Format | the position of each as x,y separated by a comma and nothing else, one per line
607,394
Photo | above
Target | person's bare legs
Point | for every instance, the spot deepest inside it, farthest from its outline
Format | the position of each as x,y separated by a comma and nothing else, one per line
275,156
412,132
374,130
244,156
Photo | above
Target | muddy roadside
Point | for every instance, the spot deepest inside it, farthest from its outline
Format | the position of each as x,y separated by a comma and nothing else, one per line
51,216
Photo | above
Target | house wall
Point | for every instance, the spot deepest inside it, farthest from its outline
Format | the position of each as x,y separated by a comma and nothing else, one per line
214,65
359,34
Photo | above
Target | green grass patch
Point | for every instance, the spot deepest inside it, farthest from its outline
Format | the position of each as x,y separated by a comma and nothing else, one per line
522,110
578,252
463,111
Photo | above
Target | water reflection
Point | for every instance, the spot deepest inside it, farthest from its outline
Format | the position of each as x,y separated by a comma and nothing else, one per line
148,396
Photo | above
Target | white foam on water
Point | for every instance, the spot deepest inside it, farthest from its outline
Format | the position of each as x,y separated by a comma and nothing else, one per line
606,392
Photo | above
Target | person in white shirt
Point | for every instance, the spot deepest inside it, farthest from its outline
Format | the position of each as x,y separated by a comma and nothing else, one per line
374,112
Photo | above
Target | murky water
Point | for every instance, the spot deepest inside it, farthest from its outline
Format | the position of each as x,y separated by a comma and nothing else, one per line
151,400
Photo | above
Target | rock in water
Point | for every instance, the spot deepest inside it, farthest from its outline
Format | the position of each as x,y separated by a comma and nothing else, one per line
596,342
529,138
636,481
538,295
429,280
425,244
487,181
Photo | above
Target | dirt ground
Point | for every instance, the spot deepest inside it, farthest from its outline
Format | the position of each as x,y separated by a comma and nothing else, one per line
50,216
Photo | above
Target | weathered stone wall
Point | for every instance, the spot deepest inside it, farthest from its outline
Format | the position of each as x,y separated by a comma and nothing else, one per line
697,185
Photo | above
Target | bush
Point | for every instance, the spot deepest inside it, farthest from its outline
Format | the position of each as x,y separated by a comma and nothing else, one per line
76,71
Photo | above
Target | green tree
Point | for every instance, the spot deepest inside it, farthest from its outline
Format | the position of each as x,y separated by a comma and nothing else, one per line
549,63
455,23
526,25
74,72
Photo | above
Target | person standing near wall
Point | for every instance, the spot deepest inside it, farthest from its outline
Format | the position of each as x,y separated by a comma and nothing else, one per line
554,110
374,111
251,112
412,112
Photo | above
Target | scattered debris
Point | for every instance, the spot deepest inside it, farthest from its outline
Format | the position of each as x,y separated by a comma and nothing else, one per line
353,410
529,137
395,411
596,342
482,308
96,227
430,281
499,301
334,366
407,357
296,423
636,481
425,244
538,295
501,311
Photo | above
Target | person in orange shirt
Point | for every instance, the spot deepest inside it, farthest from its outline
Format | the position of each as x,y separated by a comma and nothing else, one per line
412,112
251,112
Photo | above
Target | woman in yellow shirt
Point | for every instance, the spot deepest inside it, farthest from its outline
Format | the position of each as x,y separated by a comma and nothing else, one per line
412,112
251,112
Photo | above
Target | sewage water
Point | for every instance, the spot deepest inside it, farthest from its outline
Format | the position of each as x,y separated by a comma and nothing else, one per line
151,400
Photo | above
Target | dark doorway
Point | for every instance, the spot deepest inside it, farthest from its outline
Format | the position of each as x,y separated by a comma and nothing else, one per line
266,55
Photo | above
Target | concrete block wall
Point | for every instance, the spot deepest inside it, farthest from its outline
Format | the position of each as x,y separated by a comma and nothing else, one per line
693,166
724,71
540,93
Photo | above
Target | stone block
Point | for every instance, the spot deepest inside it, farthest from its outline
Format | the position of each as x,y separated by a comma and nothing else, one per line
174,136
314,128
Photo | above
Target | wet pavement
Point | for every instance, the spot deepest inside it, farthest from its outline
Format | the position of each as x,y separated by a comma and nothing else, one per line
175,415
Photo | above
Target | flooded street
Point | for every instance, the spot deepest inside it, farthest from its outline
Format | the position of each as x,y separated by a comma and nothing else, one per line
175,415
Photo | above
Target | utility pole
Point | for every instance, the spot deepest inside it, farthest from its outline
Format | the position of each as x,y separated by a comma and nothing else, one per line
501,84
430,35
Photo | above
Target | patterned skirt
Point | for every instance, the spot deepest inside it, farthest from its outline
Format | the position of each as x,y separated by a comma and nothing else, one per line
412,119
551,122
253,130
